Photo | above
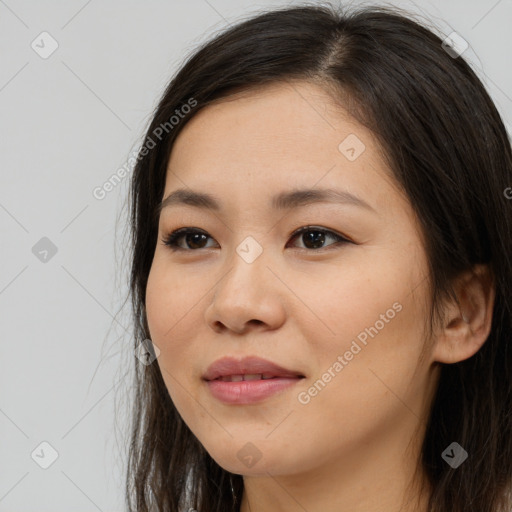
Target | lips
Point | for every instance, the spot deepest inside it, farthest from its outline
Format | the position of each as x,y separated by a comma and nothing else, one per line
229,369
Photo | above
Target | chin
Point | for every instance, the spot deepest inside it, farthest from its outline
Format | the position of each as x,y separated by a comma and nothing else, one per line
248,459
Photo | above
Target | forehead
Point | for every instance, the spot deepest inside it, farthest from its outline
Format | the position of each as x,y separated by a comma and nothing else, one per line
274,137
298,115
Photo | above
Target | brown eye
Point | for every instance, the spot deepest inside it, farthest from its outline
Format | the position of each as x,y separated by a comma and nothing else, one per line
314,238
194,239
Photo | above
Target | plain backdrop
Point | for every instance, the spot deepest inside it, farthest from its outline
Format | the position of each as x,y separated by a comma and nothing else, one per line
78,82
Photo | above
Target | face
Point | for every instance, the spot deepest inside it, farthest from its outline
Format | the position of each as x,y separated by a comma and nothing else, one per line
341,303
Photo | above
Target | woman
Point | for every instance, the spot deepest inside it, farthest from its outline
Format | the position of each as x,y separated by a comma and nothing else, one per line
321,259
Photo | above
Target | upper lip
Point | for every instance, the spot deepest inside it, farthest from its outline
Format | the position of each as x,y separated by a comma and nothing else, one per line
227,366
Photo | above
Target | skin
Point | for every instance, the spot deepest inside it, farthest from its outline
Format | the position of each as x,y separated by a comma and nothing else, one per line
354,445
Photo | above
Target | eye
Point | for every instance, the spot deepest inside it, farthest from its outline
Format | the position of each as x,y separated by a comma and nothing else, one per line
196,238
313,236
193,237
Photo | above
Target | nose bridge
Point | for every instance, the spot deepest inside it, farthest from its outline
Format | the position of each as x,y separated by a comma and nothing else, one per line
247,265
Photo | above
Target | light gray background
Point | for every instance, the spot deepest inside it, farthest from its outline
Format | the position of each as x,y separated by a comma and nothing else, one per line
68,122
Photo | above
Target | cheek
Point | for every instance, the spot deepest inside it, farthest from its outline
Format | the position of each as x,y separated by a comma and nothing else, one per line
371,319
171,296
372,390
169,311
172,306
158,300
338,304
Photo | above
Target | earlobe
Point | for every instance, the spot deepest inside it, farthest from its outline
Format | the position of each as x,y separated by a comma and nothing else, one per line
467,323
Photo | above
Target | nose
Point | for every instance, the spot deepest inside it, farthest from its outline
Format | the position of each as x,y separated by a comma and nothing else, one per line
247,296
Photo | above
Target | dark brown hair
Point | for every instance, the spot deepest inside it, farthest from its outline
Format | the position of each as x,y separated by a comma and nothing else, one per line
448,150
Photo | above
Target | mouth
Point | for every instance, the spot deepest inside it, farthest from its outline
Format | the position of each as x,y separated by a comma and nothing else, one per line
231,369
250,376
249,380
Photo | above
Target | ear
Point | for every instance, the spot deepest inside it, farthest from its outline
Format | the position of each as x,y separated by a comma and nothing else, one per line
467,325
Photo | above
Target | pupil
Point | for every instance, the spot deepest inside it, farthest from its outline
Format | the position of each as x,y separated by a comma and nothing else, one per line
192,235
316,240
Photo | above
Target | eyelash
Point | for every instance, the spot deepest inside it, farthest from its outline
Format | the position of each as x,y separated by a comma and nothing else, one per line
172,239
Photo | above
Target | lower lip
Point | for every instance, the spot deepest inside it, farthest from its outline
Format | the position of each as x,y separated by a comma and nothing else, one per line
249,391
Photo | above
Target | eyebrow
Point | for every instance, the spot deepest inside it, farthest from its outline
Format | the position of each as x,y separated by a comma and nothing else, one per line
282,201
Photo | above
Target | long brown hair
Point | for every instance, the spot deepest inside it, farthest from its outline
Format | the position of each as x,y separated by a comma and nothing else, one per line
447,147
